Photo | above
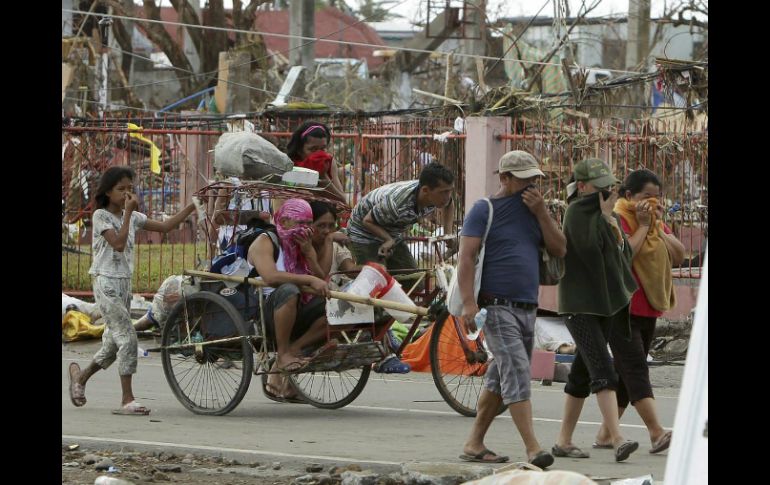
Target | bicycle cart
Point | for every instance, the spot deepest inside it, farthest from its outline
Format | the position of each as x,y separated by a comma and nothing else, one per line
215,339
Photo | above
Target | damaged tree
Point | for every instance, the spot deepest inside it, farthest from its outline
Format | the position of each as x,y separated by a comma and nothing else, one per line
208,43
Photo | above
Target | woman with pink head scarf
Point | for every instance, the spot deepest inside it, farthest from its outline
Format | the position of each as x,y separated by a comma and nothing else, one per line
293,319
293,220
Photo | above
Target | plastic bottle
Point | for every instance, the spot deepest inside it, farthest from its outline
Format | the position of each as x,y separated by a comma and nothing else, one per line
140,352
479,320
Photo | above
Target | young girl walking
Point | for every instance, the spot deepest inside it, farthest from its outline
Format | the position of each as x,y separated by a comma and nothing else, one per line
115,223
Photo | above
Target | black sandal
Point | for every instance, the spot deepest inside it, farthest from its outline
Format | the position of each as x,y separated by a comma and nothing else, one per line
479,457
625,449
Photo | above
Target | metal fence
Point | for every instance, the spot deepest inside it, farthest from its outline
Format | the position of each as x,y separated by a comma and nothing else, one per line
370,151
677,152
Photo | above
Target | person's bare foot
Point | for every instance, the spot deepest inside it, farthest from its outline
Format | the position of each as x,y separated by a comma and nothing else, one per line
290,362
276,383
655,436
602,441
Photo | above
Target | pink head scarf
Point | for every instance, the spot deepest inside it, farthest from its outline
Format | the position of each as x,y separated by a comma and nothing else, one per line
293,259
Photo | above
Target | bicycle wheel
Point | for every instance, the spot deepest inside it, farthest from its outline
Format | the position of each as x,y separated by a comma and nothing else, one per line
331,389
209,379
459,381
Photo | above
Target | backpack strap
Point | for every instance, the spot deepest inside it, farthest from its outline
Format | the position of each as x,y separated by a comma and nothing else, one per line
276,244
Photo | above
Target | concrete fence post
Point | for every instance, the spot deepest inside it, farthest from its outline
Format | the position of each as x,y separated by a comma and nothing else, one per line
482,154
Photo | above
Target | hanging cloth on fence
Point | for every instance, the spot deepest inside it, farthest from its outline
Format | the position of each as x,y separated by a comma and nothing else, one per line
154,150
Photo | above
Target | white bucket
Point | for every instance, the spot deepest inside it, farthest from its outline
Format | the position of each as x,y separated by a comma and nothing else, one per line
396,294
370,281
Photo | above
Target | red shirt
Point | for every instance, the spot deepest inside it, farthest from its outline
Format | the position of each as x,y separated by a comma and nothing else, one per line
640,306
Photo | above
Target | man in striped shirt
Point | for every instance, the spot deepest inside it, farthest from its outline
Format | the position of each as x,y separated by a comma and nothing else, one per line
379,220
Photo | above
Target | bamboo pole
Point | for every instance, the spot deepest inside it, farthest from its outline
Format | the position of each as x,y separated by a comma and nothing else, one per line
437,96
392,305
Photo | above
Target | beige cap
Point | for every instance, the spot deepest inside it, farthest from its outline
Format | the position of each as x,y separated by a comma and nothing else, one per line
520,164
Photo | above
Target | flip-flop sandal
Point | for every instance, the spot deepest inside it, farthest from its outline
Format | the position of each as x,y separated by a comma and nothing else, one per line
132,409
625,450
542,459
479,457
600,446
275,397
662,444
77,391
571,451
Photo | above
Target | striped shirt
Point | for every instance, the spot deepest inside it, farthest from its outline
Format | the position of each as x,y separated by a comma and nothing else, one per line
393,207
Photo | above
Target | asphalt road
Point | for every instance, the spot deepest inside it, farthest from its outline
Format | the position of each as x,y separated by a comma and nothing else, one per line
396,419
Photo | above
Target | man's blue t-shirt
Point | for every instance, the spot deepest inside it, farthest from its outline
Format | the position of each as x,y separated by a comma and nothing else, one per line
511,269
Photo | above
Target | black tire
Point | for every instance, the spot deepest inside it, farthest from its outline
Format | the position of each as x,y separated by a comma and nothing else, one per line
331,390
214,380
459,382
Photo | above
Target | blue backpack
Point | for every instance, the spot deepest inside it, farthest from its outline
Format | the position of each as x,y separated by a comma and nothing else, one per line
240,247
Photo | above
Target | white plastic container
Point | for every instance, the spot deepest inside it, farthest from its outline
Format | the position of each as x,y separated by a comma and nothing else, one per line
397,294
303,177
370,281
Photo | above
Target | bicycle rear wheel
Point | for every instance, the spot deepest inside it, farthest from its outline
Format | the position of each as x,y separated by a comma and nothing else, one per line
459,378
211,378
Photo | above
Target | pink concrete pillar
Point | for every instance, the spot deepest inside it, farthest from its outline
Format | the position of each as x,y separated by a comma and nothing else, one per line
482,154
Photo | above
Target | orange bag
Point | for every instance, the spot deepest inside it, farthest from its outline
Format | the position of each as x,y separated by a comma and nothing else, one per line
417,354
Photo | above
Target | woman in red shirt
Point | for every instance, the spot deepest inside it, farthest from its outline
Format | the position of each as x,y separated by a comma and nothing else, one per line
655,251
307,149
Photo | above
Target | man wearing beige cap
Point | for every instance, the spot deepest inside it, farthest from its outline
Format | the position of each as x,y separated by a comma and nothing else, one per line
594,295
520,225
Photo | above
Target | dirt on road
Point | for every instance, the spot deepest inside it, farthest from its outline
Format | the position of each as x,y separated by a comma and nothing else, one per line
83,465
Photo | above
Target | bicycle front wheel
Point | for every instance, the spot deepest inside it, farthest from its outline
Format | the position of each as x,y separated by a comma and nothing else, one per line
207,378
459,379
